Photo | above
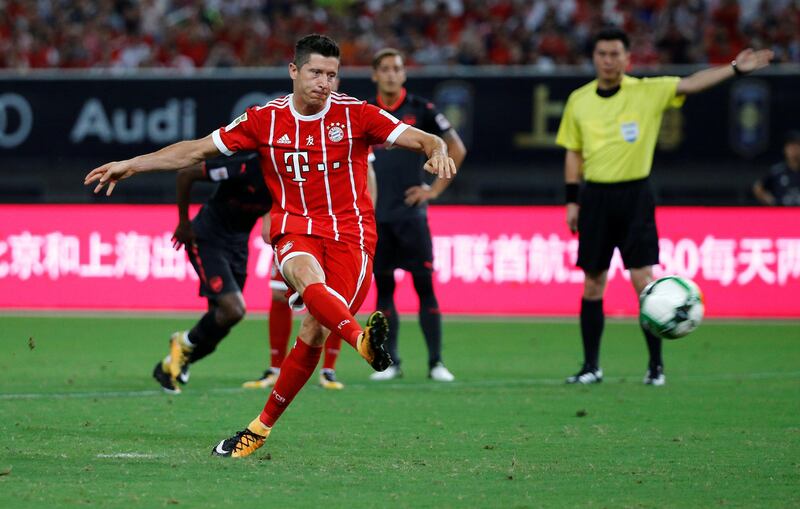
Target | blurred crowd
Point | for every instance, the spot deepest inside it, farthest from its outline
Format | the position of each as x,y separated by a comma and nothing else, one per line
188,34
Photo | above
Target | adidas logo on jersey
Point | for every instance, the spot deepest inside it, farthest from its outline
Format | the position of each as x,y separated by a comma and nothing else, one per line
285,139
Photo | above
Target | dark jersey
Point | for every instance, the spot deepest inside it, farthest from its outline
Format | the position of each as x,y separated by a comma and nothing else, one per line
237,203
397,170
783,183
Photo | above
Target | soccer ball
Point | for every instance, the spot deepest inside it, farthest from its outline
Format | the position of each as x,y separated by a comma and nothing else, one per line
671,307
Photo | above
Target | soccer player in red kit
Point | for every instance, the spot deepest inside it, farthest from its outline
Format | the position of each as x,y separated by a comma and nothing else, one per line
313,146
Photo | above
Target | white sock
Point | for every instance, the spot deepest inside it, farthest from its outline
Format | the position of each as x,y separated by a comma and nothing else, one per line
184,338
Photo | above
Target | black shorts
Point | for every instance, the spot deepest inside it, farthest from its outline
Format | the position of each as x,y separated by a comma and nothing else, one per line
404,244
221,268
618,215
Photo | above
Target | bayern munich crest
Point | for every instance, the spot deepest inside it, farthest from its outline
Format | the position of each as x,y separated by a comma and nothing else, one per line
336,132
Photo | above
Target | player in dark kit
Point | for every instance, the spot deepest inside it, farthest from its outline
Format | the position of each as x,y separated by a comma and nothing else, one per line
781,186
216,241
404,238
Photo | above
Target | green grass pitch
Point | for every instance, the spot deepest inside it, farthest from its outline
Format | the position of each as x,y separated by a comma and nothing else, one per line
83,424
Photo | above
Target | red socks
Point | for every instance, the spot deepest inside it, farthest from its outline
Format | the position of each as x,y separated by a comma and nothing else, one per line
332,347
295,372
280,328
331,313
302,360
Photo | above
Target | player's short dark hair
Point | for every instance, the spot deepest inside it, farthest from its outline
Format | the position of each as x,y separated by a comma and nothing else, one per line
385,52
611,34
792,136
314,43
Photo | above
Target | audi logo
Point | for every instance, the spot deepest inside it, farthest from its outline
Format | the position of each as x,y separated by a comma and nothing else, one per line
14,133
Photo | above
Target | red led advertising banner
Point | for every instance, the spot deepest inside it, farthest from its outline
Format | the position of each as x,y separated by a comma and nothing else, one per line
487,260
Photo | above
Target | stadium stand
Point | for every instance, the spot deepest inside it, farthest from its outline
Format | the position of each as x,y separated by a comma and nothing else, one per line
189,34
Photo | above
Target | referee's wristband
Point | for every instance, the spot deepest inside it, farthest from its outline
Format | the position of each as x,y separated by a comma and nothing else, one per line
571,192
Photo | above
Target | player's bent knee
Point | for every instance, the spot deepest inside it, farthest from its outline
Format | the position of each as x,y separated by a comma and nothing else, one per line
423,283
312,332
594,285
231,309
302,271
233,315
279,296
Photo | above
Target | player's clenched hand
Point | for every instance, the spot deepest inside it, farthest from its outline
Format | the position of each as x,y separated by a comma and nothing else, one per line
750,60
418,195
109,173
183,236
572,216
442,166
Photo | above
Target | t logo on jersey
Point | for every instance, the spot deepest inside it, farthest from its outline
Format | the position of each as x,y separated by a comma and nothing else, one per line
297,165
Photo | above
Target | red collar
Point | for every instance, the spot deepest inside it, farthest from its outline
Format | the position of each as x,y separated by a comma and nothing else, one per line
397,103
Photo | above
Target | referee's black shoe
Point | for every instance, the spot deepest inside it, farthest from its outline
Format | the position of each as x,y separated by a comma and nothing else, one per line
655,376
587,375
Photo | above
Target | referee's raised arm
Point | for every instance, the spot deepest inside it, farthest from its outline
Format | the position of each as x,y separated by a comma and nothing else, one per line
746,62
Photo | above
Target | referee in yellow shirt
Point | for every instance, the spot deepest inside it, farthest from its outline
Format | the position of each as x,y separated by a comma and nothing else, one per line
609,128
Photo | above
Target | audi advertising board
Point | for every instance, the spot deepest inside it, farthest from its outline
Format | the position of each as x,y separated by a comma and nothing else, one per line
118,117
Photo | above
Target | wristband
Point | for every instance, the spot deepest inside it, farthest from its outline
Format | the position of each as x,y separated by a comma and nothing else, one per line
571,191
736,70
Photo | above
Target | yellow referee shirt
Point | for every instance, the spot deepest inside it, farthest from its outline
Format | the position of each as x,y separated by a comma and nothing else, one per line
617,135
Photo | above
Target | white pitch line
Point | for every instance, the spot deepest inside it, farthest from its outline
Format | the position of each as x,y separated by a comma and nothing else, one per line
128,455
404,386
97,394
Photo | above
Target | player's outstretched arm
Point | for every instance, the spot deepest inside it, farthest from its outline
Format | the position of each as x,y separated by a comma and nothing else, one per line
746,62
173,157
439,162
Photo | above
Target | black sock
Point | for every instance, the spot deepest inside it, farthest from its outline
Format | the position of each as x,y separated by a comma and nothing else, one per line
430,318
206,335
592,322
385,285
654,348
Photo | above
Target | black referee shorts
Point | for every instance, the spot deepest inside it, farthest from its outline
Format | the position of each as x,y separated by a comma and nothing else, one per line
221,268
620,215
404,244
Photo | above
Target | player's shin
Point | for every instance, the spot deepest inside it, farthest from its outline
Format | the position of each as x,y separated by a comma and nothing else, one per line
654,349
206,335
295,372
332,347
280,328
592,324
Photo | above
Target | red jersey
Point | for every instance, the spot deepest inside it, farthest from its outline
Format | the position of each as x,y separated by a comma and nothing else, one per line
315,166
